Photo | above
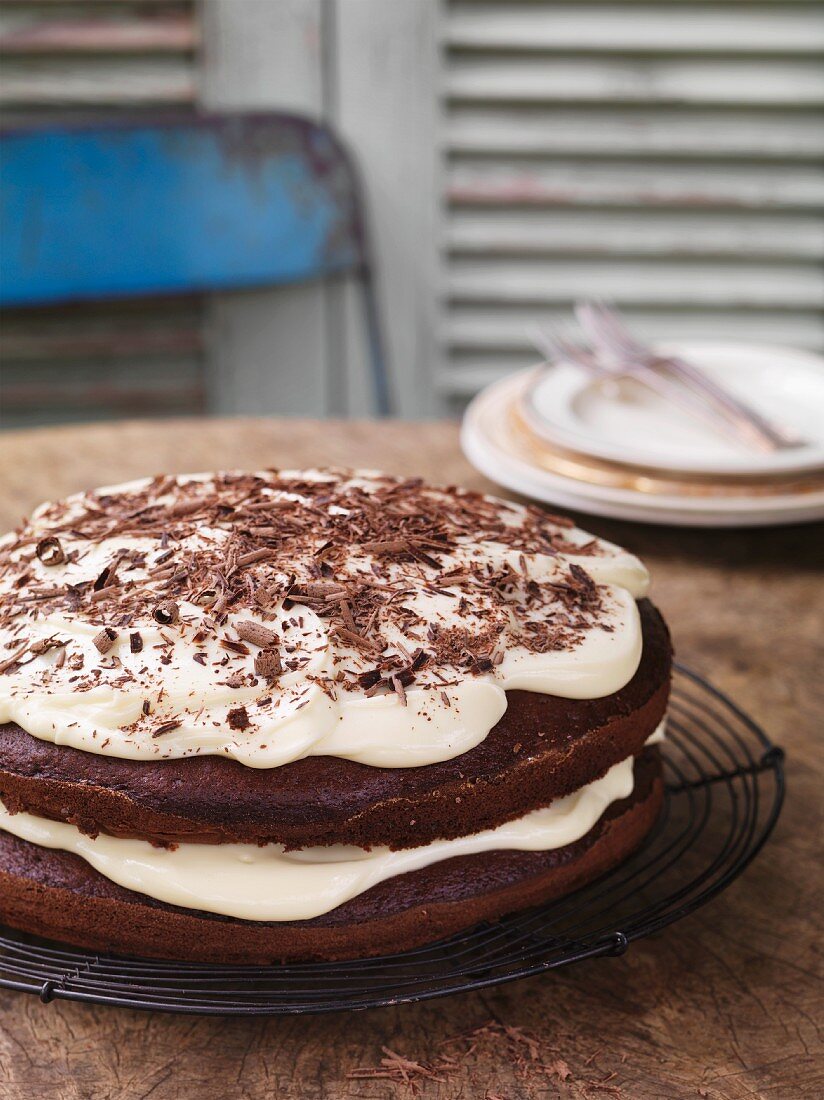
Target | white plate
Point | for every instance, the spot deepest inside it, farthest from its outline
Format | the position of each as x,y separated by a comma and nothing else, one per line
487,442
637,426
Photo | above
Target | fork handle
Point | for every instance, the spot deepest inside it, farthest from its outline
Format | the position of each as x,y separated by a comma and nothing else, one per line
658,381
608,330
740,411
692,401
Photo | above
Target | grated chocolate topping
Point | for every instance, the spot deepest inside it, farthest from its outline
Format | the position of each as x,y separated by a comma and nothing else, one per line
228,566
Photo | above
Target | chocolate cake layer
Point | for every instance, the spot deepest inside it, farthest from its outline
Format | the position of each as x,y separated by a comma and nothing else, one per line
544,747
58,895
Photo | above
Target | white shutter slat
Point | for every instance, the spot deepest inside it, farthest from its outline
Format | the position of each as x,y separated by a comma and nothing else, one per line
31,31
472,330
635,282
459,383
636,81
615,28
754,235
560,183
606,132
119,83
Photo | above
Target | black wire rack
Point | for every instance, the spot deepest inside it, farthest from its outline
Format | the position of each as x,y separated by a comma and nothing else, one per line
724,789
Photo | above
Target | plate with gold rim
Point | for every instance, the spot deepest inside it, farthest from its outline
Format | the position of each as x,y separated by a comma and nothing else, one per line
624,421
496,445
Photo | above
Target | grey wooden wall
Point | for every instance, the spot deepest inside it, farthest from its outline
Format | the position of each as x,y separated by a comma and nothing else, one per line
664,154
369,68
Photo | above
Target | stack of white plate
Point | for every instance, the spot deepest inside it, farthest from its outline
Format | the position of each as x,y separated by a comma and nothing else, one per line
617,449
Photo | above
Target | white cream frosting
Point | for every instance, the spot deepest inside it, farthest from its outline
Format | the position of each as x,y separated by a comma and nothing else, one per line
268,884
442,715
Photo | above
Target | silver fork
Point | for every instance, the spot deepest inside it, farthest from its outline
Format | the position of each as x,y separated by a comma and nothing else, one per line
614,341
555,347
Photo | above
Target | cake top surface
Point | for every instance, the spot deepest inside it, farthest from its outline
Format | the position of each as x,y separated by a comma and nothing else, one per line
277,614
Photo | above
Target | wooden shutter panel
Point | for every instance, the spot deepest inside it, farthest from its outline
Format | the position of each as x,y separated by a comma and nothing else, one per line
667,156
108,359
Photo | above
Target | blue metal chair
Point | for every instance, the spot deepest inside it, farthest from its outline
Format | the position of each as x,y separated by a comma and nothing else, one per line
202,203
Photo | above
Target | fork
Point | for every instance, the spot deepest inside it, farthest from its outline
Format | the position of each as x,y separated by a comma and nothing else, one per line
555,347
614,341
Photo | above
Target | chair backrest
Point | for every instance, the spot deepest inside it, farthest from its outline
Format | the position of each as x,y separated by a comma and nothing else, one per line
198,204
97,211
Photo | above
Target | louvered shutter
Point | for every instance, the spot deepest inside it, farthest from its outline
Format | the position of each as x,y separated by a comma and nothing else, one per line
667,156
60,60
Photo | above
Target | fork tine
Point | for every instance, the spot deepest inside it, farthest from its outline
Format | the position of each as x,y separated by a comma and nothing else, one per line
568,348
615,341
541,341
547,342
606,327
556,347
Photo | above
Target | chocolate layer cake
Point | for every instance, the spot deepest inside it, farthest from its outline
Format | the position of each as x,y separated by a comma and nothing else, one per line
251,717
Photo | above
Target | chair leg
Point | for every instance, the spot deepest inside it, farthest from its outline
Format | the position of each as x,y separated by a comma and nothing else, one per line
384,404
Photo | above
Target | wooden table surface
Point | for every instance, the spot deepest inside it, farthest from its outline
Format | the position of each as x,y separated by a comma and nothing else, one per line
728,1003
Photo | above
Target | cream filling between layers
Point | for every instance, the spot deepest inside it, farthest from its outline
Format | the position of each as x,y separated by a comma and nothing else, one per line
255,883
297,718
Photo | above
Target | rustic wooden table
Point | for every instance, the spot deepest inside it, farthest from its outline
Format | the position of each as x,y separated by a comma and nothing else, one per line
728,1003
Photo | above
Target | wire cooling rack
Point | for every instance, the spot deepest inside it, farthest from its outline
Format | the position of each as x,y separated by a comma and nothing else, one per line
724,789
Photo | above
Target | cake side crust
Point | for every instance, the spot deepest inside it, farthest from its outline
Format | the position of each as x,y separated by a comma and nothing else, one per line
58,895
